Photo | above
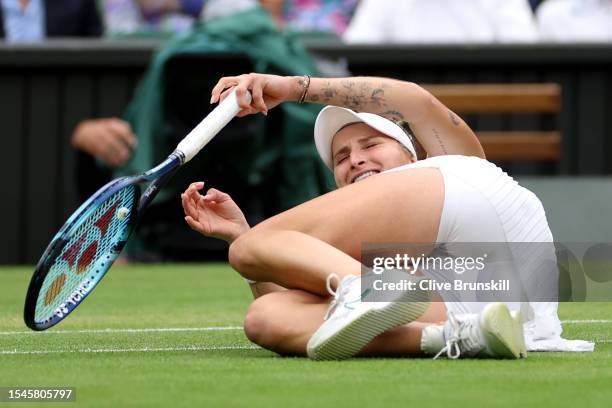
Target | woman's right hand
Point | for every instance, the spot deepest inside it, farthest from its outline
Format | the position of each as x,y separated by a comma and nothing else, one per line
267,91
214,214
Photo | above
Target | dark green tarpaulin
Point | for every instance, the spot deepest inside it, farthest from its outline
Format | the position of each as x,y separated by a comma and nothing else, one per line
290,149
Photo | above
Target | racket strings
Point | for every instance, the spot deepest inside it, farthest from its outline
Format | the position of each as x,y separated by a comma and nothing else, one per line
89,252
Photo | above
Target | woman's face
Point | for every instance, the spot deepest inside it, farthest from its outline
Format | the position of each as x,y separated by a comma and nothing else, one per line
359,151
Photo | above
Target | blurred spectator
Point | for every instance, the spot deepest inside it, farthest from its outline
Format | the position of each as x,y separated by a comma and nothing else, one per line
575,20
215,9
150,16
442,21
169,102
323,16
319,20
35,20
110,139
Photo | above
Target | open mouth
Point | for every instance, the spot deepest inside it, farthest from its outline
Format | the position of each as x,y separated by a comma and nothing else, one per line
364,175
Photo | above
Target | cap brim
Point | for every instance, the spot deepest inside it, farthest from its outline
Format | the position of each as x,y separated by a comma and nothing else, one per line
329,121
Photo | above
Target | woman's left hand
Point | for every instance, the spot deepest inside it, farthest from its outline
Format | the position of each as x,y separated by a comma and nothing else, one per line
214,214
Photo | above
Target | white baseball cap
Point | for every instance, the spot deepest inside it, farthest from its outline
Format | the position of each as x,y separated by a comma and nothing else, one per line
333,118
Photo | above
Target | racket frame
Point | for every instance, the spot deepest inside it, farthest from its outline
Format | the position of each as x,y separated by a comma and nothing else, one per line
158,177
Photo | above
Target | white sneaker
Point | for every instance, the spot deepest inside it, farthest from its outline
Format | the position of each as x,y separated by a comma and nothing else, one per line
351,324
492,333
518,322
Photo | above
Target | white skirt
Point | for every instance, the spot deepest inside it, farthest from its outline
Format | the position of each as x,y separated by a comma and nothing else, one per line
483,209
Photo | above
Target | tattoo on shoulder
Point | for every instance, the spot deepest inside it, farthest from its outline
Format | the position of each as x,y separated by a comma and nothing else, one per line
439,140
454,118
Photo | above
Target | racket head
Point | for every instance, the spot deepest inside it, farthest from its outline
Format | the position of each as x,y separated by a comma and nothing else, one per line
81,253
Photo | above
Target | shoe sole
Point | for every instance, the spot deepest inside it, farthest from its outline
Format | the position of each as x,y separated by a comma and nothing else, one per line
353,337
503,335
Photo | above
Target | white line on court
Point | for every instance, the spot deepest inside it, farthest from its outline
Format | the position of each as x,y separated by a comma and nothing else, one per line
130,350
142,330
151,349
191,329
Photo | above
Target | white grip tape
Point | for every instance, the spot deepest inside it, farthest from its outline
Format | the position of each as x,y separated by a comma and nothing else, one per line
209,126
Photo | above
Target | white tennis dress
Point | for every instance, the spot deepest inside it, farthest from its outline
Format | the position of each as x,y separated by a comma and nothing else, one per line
483,209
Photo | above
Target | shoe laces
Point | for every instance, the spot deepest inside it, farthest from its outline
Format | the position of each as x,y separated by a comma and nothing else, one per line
464,337
338,294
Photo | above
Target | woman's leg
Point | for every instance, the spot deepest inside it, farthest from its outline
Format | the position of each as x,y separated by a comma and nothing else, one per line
301,247
284,322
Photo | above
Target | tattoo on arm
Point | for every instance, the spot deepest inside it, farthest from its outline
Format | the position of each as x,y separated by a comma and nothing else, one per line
328,92
454,118
347,85
439,140
377,97
352,102
358,95
353,96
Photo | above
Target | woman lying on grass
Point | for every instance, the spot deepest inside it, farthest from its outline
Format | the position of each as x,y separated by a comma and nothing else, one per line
297,259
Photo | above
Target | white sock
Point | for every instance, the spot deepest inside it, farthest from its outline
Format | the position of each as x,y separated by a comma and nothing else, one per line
432,340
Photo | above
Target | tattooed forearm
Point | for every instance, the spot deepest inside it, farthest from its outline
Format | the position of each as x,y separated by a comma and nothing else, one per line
439,140
354,95
328,92
353,102
347,85
358,95
454,118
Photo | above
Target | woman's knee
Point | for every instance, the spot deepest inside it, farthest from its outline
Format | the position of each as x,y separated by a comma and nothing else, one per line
259,326
242,252
254,248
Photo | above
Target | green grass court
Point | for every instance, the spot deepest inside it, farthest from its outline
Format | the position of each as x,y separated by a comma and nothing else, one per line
170,336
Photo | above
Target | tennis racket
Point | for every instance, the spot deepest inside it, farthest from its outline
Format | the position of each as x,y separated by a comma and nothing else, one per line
86,246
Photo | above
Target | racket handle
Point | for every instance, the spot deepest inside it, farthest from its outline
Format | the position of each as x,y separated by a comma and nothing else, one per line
210,126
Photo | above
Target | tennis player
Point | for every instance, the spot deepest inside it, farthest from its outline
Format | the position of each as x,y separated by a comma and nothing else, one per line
304,264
